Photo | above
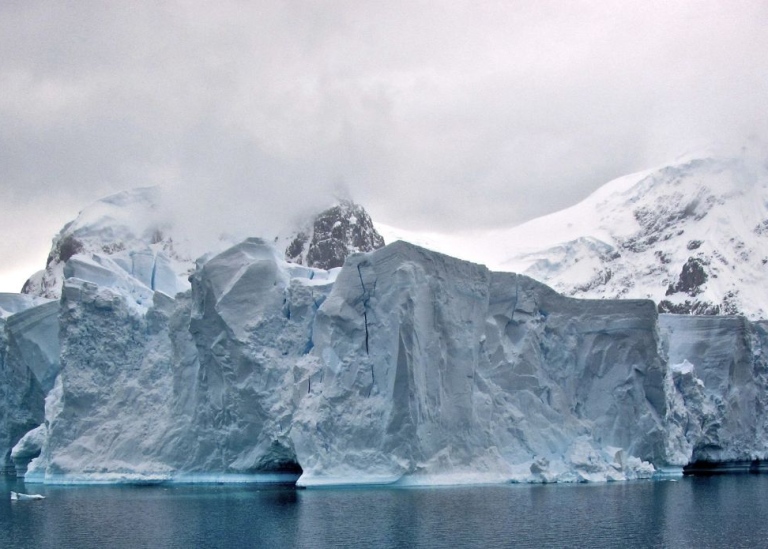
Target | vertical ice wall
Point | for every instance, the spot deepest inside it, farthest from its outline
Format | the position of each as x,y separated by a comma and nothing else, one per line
29,363
574,368
411,367
109,414
718,384
437,370
251,321
191,387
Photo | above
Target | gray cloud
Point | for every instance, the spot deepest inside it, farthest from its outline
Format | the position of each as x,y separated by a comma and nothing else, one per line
443,116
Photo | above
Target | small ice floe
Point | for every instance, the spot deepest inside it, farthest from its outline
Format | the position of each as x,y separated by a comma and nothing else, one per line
16,496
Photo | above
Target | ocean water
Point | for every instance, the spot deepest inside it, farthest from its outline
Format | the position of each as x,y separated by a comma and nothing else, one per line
716,511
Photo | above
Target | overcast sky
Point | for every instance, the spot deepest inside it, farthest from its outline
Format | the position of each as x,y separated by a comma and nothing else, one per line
444,115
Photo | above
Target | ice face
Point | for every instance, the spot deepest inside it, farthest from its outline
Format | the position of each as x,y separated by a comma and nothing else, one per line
29,363
406,366
719,379
436,367
250,322
194,387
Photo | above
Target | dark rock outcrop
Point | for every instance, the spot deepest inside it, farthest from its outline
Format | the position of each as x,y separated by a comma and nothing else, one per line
335,234
692,278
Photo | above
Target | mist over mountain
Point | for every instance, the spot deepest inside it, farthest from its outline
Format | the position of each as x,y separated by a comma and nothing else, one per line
692,236
150,236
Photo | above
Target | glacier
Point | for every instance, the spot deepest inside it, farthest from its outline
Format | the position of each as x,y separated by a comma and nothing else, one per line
404,366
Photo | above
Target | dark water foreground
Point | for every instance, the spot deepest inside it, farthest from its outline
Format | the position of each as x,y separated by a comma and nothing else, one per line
716,511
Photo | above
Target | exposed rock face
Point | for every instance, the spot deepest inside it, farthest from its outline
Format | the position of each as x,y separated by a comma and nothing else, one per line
335,234
692,277
689,307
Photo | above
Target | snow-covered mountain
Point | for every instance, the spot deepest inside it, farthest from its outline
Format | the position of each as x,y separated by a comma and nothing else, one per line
691,236
403,365
134,230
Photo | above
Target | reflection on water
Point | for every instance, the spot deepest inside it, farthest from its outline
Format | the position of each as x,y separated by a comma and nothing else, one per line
726,511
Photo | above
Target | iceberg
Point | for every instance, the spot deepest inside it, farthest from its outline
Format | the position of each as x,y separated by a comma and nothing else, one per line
196,386
18,496
404,366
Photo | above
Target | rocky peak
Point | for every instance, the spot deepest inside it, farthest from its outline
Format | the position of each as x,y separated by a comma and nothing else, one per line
332,235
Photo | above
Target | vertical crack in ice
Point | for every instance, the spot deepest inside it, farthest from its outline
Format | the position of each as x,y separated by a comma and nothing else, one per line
365,309
154,271
311,333
366,297
517,293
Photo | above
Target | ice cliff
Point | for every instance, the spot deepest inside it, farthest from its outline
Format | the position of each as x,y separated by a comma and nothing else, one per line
453,372
29,364
404,366
195,386
717,385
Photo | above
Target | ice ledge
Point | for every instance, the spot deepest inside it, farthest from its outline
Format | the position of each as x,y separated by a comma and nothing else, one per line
152,479
521,474
667,473
405,481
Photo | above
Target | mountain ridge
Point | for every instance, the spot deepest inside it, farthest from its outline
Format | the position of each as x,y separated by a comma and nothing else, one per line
692,236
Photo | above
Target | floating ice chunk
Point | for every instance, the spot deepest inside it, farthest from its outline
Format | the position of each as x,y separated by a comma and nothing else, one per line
18,496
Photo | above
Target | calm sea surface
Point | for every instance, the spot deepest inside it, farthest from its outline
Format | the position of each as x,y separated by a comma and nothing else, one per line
724,511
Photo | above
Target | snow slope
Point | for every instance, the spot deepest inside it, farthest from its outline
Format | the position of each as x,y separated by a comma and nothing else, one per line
692,236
